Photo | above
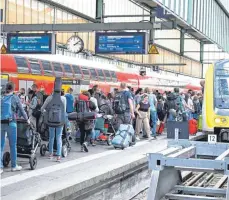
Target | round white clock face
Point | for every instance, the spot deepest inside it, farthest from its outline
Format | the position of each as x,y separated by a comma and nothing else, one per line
75,44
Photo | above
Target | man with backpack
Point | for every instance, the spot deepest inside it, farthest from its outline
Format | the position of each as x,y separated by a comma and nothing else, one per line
123,106
10,104
54,109
174,105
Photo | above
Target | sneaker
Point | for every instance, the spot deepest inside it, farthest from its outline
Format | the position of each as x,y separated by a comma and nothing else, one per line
85,146
58,159
145,136
82,148
137,138
1,171
50,156
17,168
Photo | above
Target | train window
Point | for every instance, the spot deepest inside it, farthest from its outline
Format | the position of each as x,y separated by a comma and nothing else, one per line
100,73
57,69
68,70
93,74
35,66
47,67
107,75
113,74
77,70
85,71
22,65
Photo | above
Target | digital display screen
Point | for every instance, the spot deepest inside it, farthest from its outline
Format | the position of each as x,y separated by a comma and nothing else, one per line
120,43
34,43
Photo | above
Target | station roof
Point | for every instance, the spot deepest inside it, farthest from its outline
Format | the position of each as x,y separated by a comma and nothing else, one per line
199,19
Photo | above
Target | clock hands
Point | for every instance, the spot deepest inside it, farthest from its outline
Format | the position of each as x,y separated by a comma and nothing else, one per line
76,43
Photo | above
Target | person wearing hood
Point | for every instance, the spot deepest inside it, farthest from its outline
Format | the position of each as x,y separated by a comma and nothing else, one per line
173,104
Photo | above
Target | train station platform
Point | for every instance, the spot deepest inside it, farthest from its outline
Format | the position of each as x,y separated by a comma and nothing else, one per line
103,173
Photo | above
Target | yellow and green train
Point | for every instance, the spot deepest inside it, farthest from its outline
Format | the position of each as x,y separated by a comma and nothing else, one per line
216,101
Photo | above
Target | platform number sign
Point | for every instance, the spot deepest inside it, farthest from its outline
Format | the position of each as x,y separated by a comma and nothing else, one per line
212,139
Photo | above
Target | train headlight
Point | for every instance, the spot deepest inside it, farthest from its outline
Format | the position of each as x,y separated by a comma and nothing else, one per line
217,120
224,120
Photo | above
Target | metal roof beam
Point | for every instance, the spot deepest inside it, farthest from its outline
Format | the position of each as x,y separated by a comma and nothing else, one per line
69,10
85,27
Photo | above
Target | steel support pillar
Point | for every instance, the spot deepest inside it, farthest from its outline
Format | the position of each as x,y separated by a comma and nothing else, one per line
182,36
99,10
202,58
152,31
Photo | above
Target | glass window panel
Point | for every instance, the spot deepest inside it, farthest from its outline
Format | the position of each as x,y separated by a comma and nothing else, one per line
12,17
113,74
77,70
100,72
41,12
107,75
22,65
57,69
47,67
85,71
93,74
35,66
20,12
34,12
67,68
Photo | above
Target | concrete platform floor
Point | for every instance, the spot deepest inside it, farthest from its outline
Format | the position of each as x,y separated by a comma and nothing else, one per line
50,176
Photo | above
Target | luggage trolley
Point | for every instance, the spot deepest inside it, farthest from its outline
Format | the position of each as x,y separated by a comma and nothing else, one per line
28,142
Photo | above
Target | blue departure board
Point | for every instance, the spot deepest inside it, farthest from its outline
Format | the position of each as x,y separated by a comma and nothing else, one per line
120,43
34,43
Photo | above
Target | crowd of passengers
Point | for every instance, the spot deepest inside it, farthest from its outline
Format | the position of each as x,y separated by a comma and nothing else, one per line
145,110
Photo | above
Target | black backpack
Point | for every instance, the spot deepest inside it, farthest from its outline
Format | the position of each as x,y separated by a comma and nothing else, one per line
120,104
55,115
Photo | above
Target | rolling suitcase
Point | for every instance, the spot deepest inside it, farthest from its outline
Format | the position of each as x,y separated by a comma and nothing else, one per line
160,128
193,126
124,137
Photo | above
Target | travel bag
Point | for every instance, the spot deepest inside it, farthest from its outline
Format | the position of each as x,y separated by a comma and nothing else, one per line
124,137
193,126
160,128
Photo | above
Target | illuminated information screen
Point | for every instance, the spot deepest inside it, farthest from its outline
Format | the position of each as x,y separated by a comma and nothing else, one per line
120,43
29,43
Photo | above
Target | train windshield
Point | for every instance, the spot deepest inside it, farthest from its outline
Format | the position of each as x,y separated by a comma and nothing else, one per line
222,88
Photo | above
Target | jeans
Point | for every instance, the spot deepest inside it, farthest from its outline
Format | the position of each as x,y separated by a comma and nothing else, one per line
171,117
93,135
58,131
11,130
153,117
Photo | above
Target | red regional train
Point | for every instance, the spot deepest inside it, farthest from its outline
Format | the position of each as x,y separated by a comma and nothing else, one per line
80,74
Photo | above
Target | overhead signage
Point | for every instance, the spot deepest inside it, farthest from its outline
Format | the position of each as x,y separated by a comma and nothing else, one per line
3,49
120,43
153,49
34,43
70,82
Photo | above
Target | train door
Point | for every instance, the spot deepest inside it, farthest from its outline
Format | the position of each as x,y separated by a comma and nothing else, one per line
25,84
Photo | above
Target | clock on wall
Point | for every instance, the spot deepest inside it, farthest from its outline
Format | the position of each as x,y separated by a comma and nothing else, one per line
75,44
